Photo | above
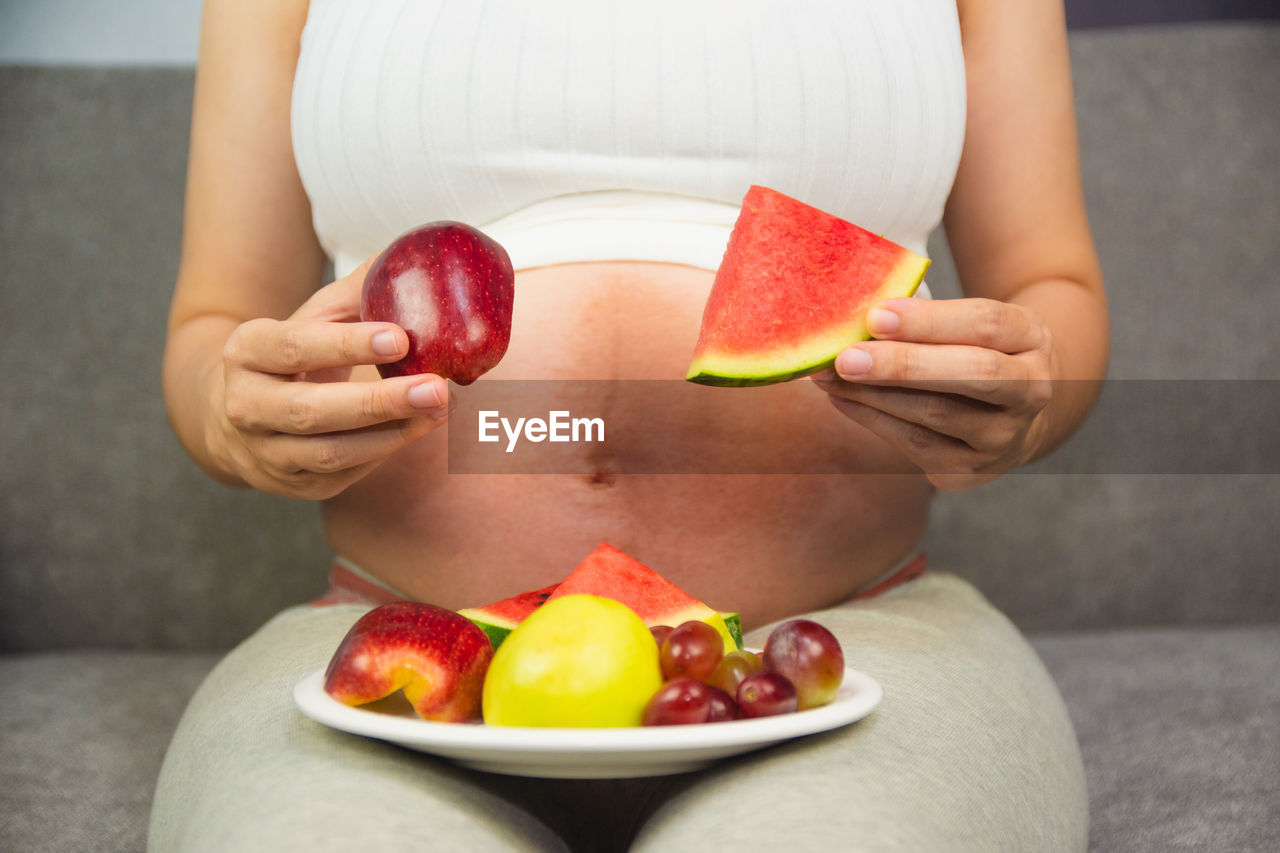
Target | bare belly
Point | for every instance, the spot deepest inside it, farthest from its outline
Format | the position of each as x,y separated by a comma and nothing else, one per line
767,545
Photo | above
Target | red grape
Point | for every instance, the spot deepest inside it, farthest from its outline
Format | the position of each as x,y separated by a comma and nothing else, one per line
765,694
811,659
723,707
679,702
734,667
692,650
660,633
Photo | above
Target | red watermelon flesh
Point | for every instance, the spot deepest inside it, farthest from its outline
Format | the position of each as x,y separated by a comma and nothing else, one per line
793,291
613,574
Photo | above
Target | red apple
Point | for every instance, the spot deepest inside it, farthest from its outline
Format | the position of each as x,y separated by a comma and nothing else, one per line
810,657
436,656
451,288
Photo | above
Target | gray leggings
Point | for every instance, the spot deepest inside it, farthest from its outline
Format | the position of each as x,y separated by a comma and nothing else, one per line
971,749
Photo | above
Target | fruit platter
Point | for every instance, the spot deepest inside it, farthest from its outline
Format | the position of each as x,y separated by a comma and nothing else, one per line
588,678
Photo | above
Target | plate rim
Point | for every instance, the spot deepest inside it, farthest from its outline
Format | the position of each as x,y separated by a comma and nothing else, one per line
859,695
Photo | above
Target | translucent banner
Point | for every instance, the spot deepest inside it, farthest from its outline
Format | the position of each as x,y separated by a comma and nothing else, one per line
674,427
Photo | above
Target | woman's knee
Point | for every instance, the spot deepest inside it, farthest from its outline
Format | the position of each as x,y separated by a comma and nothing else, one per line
247,771
970,749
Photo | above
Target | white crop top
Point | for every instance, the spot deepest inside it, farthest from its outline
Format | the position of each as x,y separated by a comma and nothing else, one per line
576,130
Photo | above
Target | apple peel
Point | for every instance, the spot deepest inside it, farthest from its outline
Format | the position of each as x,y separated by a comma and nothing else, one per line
451,288
435,656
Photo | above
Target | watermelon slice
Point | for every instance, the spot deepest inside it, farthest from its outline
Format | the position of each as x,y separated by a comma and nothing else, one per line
610,573
500,618
793,291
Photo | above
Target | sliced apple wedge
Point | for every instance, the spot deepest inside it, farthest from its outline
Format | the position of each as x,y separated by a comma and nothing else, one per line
437,657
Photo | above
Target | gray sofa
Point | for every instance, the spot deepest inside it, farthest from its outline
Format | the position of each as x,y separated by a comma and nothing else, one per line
1144,567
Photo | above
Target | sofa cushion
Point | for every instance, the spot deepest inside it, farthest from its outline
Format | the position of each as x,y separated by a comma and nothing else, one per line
100,504
1180,731
82,737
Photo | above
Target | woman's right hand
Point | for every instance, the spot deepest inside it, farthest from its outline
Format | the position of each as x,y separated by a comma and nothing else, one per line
291,423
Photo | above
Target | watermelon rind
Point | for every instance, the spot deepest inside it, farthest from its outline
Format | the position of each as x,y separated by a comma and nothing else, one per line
733,622
815,352
495,633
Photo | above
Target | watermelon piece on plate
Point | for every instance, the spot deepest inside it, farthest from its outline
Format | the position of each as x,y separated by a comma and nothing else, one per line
610,573
793,291
499,619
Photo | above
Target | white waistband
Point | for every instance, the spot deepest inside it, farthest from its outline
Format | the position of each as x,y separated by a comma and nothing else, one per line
368,578
908,559
616,225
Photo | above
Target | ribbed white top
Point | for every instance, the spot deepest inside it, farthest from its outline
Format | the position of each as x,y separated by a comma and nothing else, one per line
575,130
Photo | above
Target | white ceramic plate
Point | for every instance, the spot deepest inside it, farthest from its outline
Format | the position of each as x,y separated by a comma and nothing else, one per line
587,753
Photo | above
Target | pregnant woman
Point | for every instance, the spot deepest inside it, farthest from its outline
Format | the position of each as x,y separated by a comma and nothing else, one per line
607,145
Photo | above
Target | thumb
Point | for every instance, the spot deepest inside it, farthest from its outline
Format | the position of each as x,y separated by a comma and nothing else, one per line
338,302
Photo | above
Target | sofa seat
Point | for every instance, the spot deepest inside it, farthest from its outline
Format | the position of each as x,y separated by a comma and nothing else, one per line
1180,730
82,737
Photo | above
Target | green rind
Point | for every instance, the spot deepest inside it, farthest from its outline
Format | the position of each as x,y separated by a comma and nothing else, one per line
720,371
495,633
733,622
721,381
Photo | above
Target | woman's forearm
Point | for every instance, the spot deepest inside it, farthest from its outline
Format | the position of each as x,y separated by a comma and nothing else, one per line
192,385
1076,315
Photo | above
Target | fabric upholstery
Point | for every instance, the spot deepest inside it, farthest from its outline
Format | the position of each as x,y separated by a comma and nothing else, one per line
82,736
1180,730
100,505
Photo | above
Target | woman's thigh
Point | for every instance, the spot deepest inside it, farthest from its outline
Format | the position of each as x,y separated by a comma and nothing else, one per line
247,772
970,749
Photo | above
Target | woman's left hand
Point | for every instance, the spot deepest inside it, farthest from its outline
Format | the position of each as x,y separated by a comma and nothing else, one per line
958,386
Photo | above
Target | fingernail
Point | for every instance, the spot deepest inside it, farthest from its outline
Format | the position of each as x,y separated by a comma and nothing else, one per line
882,322
427,395
441,414
853,362
386,343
